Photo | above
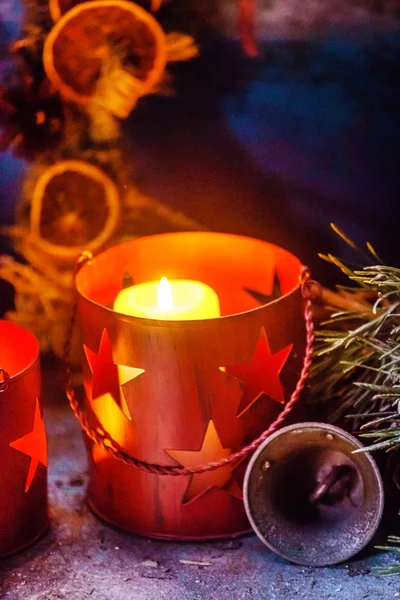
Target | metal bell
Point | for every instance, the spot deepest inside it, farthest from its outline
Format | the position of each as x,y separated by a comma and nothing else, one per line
309,498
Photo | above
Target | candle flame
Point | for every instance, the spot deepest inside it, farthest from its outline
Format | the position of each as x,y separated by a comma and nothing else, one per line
164,295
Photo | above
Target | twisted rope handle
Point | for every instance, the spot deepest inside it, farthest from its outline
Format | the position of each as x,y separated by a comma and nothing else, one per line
102,438
4,380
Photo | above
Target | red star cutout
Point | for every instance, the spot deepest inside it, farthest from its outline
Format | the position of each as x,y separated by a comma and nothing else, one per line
105,378
33,444
104,370
261,375
211,450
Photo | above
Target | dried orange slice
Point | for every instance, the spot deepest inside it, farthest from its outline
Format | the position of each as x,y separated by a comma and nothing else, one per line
75,207
105,32
58,8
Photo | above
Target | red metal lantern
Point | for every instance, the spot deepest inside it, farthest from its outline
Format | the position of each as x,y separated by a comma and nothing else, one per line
23,450
179,394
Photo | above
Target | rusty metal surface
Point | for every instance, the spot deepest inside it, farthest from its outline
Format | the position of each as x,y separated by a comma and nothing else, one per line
83,558
309,498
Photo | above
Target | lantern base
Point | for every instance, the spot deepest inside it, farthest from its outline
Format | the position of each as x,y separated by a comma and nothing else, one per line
166,536
26,545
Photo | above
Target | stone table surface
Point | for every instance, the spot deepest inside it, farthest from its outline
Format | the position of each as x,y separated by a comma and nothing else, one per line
81,557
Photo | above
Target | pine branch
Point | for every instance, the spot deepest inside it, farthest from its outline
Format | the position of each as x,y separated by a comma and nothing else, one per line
357,359
394,547
363,348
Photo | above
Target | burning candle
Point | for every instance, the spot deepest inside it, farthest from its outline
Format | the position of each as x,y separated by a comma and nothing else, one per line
176,300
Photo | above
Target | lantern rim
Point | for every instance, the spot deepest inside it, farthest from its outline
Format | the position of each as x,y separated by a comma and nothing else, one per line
234,238
15,333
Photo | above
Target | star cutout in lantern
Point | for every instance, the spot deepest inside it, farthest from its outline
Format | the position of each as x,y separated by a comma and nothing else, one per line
276,292
33,444
105,378
261,375
211,450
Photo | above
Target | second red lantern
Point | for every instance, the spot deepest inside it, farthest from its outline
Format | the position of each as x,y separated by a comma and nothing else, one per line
23,447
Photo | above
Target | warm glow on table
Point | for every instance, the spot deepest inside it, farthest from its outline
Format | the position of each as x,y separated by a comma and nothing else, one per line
175,300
